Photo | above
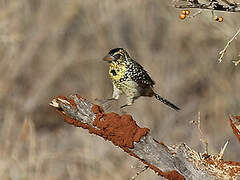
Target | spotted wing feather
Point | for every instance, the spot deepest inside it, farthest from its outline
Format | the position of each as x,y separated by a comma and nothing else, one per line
139,75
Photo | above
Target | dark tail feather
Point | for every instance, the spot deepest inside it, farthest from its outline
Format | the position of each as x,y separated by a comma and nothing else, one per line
166,102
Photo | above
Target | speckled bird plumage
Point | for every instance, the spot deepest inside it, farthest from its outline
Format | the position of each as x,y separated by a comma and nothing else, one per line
130,78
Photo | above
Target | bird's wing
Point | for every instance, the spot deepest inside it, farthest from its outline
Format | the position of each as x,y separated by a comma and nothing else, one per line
139,75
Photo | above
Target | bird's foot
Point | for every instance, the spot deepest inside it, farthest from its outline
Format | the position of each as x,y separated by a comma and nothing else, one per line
123,106
107,104
111,99
104,101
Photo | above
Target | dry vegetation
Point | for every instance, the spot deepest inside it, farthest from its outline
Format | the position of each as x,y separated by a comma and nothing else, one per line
49,48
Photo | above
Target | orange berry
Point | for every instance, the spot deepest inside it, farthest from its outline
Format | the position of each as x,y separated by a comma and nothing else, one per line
183,12
182,16
219,19
187,12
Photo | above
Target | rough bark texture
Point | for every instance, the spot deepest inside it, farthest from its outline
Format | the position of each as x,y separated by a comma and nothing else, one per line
214,5
235,124
177,162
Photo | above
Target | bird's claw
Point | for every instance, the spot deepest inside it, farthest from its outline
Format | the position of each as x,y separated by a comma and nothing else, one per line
125,105
111,99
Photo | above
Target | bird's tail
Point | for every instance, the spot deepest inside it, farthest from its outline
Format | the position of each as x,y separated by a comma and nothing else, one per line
165,101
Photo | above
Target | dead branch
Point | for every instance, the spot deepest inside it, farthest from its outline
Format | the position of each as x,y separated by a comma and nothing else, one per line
235,124
176,162
213,5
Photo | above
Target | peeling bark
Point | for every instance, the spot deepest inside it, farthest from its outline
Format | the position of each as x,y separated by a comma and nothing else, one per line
176,162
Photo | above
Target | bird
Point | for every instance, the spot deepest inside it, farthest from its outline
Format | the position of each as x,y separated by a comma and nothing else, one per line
130,78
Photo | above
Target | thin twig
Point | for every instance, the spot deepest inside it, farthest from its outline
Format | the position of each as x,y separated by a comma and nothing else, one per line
222,52
236,62
203,138
220,155
139,172
195,14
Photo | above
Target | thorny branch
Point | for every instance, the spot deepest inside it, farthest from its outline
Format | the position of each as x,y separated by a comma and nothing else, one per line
213,5
170,162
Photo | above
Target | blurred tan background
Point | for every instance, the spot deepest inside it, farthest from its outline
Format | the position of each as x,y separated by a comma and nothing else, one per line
51,48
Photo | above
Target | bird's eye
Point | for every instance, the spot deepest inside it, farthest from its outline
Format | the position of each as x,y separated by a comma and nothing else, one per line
117,56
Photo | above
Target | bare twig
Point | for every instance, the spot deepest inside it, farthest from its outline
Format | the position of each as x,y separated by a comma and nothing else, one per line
223,51
236,62
220,155
177,162
195,14
139,172
203,138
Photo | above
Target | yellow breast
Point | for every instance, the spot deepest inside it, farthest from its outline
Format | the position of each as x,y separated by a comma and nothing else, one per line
116,71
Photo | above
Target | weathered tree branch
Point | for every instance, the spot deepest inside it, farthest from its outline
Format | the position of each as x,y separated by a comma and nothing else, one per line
235,124
213,5
176,162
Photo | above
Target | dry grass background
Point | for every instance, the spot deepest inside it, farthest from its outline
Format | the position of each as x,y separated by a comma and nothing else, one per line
51,48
